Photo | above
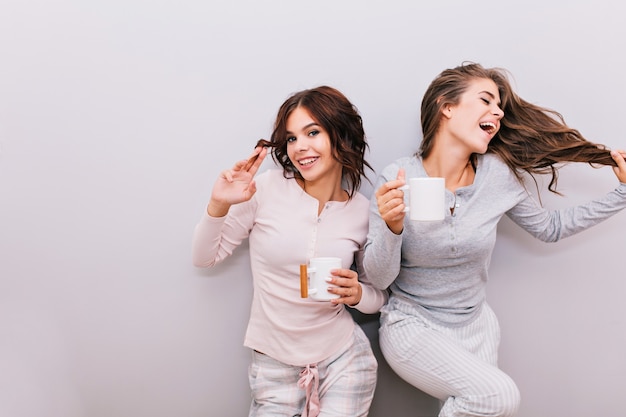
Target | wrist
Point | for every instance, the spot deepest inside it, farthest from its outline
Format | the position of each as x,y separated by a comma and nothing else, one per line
217,209
359,295
396,228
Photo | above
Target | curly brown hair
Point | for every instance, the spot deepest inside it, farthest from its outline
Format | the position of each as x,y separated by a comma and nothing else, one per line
531,138
340,118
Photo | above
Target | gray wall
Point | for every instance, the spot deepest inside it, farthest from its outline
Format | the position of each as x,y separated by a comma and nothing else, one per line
116,116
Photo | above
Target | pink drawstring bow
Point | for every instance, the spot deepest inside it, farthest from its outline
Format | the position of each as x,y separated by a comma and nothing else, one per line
312,405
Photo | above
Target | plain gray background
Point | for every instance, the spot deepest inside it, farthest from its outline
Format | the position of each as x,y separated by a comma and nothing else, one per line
116,117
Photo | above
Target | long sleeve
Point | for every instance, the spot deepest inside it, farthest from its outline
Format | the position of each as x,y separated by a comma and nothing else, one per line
215,238
383,250
553,225
373,298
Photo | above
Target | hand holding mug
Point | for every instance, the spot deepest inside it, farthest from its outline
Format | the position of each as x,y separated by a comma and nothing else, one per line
323,279
346,286
390,201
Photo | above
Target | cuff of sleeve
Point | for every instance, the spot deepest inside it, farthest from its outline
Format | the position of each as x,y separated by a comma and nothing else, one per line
371,299
212,220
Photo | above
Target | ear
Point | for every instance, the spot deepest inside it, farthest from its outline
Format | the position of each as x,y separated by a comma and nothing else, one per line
446,111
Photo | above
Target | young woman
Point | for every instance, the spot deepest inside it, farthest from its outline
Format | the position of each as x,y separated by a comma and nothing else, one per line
307,356
437,331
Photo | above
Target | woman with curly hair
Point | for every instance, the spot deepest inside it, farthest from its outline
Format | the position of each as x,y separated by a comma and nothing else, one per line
308,357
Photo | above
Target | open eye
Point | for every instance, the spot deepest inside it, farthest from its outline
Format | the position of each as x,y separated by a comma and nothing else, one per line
314,132
291,139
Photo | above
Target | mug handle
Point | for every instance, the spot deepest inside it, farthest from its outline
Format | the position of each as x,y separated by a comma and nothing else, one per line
405,187
304,281
304,284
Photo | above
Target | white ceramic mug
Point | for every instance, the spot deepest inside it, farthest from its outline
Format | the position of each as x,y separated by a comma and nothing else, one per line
318,271
427,198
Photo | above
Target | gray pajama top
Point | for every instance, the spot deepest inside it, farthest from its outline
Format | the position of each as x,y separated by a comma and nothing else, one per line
442,267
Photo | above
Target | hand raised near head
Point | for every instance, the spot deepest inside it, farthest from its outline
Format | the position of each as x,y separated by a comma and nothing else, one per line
236,185
620,170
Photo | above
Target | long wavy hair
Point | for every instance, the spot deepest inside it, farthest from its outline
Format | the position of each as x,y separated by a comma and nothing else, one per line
531,138
340,118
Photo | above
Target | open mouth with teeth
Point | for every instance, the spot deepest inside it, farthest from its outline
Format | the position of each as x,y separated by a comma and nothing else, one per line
488,127
307,161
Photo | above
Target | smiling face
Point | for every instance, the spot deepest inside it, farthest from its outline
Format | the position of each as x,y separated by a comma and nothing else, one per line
475,120
309,148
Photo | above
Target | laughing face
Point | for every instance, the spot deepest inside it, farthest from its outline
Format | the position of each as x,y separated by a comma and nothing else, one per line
309,148
475,120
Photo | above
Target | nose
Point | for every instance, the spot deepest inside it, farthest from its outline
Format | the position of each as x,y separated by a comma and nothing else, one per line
302,144
498,112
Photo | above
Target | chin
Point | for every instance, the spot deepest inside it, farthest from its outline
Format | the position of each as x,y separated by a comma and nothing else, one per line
481,151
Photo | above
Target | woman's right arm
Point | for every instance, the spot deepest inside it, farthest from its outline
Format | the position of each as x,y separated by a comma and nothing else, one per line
229,214
383,250
215,238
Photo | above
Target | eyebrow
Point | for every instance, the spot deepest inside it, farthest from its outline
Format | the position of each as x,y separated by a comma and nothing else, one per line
305,127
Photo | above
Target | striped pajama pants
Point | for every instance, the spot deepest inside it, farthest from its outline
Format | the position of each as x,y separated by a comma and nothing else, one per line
345,383
457,365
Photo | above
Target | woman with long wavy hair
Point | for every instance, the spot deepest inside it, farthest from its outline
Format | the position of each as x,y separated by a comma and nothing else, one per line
437,330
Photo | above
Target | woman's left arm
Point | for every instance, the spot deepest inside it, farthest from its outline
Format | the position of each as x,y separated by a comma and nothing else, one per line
355,290
553,225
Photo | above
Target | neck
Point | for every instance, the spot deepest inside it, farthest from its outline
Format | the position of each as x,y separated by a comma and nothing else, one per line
458,172
324,191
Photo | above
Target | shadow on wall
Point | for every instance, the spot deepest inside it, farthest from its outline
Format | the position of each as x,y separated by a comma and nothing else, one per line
394,397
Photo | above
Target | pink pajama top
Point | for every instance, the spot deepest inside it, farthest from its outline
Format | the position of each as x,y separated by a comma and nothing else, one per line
284,230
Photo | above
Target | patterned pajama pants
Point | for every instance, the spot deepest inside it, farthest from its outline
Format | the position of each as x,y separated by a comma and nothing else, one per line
458,365
345,384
